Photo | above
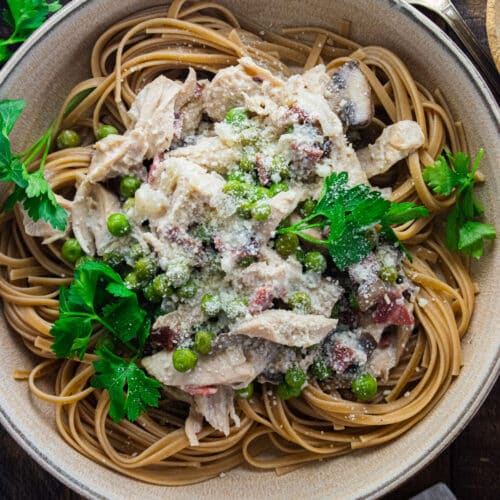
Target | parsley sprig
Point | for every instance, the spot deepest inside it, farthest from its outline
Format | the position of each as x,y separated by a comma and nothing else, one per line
349,214
464,231
98,296
24,17
31,188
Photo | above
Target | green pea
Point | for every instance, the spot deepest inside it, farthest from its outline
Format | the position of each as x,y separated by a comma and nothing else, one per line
129,204
237,189
300,302
286,244
184,359
353,301
145,268
246,392
129,185
246,261
261,212
258,193
295,377
315,262
321,370
278,187
211,304
235,308
236,116
237,175
245,210
300,255
113,258
178,273
364,387
161,286
246,164
249,136
204,232
289,129
285,392
307,207
151,294
280,166
389,274
105,130
136,251
118,225
203,341
68,139
132,281
71,250
187,291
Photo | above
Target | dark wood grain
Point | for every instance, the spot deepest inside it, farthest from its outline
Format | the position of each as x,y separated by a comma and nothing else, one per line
469,466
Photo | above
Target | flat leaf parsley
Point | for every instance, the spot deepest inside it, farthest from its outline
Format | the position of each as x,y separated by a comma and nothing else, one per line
98,296
24,17
348,215
464,232
31,188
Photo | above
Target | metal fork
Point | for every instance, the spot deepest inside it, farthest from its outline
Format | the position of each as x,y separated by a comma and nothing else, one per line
449,13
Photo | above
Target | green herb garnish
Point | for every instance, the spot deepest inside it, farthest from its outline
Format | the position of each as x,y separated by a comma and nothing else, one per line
114,373
350,214
98,296
24,17
464,232
32,189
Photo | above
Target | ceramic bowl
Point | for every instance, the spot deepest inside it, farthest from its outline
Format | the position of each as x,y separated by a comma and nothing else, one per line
57,57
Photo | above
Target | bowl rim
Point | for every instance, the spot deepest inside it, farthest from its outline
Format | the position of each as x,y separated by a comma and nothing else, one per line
461,420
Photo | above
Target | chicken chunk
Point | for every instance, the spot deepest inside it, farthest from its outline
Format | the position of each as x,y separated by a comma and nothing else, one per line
153,114
228,367
228,90
209,153
118,155
90,210
287,327
396,142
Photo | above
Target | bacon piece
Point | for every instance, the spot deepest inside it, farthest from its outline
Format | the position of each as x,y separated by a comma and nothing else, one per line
391,312
200,390
261,300
181,238
302,115
342,357
311,152
263,174
153,169
166,337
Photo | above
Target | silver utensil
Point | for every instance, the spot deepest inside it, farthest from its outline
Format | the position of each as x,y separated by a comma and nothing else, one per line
449,13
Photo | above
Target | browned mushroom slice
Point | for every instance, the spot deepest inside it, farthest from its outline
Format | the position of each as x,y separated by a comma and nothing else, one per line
349,95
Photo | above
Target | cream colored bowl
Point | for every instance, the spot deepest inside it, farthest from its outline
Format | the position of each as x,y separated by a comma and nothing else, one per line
57,57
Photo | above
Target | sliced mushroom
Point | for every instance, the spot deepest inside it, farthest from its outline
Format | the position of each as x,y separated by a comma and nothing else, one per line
396,142
349,95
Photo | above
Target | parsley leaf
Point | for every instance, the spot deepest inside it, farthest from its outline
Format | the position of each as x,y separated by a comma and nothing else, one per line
463,231
98,295
348,214
24,17
31,189
93,297
113,373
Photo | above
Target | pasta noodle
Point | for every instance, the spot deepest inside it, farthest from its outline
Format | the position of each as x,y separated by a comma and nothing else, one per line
273,434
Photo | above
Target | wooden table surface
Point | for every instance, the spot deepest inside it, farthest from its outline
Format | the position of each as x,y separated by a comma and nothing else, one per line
470,466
